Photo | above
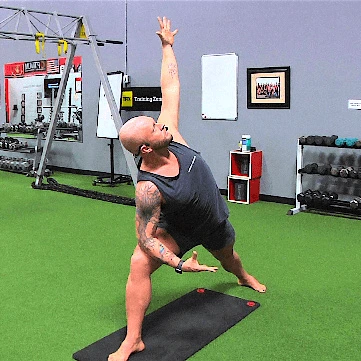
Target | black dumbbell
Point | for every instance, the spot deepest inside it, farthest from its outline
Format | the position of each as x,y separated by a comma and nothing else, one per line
317,199
328,198
302,140
344,172
305,197
355,203
311,168
330,141
318,140
310,140
358,173
353,173
324,197
358,144
324,169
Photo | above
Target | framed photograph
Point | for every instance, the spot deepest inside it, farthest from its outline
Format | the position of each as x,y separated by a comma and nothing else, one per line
268,88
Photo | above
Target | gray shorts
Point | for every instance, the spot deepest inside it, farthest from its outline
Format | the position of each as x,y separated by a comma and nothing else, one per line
222,236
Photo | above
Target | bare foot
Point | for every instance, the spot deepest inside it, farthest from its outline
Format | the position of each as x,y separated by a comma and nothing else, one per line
125,350
252,282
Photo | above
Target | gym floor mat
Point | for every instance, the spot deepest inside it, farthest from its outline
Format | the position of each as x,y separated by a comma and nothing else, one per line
179,329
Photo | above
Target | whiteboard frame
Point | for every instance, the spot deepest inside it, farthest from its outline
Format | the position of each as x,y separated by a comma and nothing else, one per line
105,123
220,86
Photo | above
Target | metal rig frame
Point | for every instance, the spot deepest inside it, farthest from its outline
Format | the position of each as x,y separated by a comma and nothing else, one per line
298,207
80,33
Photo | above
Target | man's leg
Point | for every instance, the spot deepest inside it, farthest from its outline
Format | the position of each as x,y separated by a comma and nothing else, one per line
138,296
231,262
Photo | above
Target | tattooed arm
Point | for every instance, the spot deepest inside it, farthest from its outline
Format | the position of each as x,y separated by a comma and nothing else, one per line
148,205
169,80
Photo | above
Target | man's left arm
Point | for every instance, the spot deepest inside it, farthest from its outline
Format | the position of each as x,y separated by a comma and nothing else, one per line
169,80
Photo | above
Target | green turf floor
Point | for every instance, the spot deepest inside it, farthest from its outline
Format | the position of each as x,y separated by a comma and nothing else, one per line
64,262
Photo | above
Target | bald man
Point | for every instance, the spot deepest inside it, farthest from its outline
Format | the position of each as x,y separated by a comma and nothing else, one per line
178,203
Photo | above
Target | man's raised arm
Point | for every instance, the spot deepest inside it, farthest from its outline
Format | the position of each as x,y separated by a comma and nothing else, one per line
169,79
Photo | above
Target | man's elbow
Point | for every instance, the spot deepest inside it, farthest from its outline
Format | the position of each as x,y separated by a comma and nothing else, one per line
146,245
170,89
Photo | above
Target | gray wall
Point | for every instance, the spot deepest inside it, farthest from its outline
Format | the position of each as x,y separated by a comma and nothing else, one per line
319,40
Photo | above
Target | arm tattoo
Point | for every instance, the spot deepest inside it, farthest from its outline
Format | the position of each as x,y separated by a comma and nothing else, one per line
172,70
165,254
148,202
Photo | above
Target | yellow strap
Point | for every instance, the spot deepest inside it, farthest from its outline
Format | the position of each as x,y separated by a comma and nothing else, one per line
37,43
37,46
65,46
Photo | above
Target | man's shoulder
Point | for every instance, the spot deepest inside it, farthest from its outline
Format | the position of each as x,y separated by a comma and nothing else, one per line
146,185
147,192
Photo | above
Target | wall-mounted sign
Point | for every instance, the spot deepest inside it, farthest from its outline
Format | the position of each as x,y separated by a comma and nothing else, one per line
142,98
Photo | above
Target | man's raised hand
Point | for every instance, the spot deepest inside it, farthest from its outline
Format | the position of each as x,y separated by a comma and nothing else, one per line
165,34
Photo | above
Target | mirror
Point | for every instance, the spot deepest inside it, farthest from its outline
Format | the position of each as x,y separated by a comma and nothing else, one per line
30,92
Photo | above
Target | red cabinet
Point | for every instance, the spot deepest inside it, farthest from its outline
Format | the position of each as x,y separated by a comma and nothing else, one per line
245,171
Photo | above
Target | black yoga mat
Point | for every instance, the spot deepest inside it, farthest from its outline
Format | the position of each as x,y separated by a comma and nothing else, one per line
179,329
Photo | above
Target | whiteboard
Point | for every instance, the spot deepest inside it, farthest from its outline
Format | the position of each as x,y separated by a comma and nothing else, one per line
219,86
105,124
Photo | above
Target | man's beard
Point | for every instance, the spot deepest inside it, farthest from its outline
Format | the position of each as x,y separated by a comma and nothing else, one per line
163,144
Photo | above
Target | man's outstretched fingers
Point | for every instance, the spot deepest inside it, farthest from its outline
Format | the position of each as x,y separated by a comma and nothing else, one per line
212,269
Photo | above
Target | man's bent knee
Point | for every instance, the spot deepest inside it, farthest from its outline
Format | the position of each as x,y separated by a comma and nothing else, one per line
224,253
141,261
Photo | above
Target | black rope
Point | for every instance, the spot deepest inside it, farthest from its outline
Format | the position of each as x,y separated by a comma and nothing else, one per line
53,185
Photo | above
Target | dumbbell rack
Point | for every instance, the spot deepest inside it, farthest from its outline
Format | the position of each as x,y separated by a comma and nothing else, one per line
300,165
35,150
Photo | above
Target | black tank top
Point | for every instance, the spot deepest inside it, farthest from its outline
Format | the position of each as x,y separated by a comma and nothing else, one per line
193,203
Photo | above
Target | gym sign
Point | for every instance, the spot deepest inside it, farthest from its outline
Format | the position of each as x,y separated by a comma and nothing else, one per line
142,98
35,66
